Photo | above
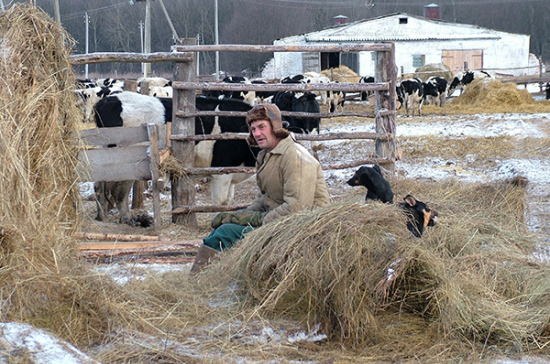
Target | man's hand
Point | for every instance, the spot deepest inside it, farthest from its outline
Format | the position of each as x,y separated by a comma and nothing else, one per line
240,217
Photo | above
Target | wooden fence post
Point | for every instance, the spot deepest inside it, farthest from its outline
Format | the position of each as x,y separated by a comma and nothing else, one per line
139,186
183,187
386,71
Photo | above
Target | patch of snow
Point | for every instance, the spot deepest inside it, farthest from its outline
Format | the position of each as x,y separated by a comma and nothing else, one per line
20,340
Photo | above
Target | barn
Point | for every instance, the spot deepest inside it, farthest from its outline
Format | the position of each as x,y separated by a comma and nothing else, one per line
418,41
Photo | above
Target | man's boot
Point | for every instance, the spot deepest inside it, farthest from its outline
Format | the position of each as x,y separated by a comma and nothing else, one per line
204,256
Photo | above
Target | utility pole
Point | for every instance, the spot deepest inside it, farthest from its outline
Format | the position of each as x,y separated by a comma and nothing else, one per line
141,44
147,68
87,17
57,12
174,34
216,39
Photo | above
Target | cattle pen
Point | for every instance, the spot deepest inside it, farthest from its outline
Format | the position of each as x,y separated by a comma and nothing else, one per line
183,138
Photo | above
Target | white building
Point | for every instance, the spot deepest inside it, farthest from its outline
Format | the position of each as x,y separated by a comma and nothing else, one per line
418,41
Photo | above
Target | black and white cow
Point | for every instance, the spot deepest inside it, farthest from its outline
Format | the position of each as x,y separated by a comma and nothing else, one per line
310,77
227,94
365,94
462,79
257,97
133,109
419,215
378,188
336,100
300,102
411,93
223,153
127,109
435,90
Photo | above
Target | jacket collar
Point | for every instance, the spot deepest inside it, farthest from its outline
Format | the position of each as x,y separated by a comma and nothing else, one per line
283,145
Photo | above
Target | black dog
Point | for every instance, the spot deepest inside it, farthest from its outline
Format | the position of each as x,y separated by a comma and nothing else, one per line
377,186
419,215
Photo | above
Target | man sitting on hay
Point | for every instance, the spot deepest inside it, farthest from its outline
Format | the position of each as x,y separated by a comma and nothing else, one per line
289,179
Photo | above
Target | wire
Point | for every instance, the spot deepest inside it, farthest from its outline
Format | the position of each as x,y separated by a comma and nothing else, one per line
369,4
82,13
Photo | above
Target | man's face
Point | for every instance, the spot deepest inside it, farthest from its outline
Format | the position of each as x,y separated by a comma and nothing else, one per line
262,131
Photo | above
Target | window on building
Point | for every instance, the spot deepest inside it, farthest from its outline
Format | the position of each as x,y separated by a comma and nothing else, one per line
403,20
418,60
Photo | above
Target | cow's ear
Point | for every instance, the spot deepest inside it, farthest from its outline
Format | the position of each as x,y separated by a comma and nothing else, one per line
410,200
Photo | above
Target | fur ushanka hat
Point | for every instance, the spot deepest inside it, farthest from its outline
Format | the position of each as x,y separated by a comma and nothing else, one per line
268,112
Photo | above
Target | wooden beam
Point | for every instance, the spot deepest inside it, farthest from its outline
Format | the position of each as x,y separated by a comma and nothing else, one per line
126,57
302,87
373,47
311,137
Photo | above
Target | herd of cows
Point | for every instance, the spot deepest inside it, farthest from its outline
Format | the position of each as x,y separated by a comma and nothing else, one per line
107,104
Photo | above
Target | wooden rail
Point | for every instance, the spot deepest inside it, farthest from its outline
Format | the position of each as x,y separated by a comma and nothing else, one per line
300,87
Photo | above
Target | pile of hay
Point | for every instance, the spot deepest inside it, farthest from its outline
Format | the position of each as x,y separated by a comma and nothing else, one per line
341,74
435,70
490,93
40,281
355,270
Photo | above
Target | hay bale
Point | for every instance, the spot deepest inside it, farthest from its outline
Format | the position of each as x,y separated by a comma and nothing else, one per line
435,70
341,74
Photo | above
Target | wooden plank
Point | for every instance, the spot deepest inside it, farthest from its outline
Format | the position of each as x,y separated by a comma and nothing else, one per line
127,57
117,237
207,208
372,47
115,164
303,87
123,136
155,174
184,246
110,245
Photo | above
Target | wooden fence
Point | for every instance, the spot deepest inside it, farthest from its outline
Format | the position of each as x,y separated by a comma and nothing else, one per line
184,83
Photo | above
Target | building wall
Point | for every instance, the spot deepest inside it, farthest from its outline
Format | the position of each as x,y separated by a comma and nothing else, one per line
503,53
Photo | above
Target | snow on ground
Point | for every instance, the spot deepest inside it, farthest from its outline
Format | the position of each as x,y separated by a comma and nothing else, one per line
23,343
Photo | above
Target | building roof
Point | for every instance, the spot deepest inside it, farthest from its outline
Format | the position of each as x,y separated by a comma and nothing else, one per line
391,28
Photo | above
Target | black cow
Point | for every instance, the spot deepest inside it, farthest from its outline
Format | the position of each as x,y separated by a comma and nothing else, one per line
548,91
411,93
465,78
419,215
378,188
365,94
301,102
435,88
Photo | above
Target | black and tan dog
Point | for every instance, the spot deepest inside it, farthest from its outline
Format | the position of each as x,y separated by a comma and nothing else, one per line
419,215
377,186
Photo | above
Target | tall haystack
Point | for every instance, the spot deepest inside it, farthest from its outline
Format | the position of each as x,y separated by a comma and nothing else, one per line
40,281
